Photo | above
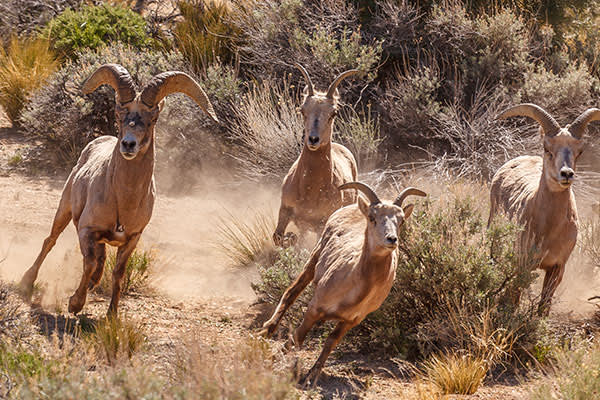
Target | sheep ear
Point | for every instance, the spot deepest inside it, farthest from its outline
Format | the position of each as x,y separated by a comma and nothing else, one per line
408,209
363,206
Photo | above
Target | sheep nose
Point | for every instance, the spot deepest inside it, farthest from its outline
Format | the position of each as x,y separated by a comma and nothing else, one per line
566,173
391,239
313,140
128,145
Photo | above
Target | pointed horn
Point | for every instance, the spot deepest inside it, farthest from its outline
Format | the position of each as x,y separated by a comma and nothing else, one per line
170,82
578,126
309,84
548,124
336,82
370,193
115,76
409,191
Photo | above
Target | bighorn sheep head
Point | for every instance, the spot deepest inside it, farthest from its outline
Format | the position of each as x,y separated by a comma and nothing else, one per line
562,146
384,219
319,109
137,115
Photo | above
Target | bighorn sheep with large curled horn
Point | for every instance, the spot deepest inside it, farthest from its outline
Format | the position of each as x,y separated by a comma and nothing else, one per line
110,193
353,267
309,194
537,193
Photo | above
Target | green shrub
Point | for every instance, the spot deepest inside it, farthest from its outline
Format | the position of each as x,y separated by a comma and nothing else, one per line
93,27
66,120
449,261
359,131
137,272
24,66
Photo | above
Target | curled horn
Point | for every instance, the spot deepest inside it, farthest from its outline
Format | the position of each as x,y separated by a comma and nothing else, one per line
337,80
170,82
370,193
409,191
548,124
115,76
578,126
309,84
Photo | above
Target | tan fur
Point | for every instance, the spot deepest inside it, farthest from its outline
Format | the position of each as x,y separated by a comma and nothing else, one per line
309,193
109,195
353,267
536,192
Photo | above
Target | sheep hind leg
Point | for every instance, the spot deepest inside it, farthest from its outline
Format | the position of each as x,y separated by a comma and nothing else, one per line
552,279
310,379
61,220
123,254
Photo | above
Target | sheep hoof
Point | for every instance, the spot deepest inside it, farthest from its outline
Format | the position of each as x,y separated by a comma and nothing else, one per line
289,239
310,379
75,304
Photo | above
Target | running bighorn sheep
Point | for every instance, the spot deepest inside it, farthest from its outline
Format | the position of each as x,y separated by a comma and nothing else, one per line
353,267
309,194
537,193
110,193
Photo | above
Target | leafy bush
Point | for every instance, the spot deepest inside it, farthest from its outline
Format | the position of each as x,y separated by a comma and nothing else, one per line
93,27
137,272
66,120
267,131
205,34
359,131
24,67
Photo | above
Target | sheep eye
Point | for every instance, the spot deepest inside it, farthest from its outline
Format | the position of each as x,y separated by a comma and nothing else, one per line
548,152
372,219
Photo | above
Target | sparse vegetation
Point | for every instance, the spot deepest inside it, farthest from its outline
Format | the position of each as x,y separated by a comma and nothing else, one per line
137,272
117,338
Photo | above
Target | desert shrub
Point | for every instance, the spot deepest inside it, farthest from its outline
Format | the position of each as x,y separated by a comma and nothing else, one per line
325,37
117,338
246,240
275,277
449,261
95,26
252,369
205,34
267,131
137,272
562,94
575,376
66,120
24,66
359,131
25,17
15,325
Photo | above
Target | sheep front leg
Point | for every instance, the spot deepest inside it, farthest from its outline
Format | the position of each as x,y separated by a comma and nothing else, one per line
279,237
552,279
91,251
123,254
334,338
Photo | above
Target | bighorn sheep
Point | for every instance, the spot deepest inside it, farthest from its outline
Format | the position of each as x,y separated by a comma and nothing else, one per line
537,193
353,267
110,193
309,194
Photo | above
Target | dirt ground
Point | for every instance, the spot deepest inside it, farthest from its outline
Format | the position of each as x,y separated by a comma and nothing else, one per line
194,290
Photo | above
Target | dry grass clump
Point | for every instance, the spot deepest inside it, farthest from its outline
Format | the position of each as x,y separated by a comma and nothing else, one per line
117,338
453,373
267,131
137,272
246,240
24,66
251,369
360,132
